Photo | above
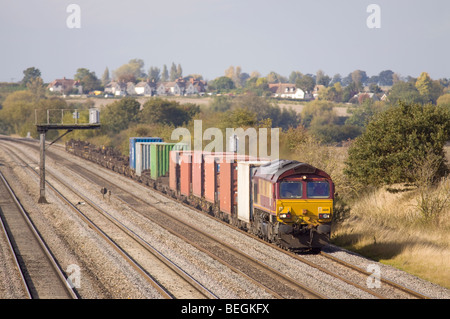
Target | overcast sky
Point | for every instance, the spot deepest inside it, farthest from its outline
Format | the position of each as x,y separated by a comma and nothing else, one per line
208,36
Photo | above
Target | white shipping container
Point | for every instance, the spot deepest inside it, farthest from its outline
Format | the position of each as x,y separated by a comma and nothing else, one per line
142,157
244,191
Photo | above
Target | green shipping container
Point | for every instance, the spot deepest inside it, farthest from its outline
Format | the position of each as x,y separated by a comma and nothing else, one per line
160,156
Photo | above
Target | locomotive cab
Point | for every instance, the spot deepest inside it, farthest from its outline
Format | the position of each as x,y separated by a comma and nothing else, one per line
294,205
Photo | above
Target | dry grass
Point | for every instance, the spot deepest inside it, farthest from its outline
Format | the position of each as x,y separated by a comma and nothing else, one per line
388,225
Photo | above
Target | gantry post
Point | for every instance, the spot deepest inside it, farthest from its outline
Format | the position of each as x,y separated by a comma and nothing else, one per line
42,199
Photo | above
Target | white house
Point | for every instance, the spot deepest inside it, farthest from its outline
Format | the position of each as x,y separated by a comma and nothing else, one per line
116,88
65,86
286,91
143,88
170,88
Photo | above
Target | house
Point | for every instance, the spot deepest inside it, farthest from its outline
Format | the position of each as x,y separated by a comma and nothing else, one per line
361,96
116,88
65,86
171,88
287,91
195,87
144,88
131,88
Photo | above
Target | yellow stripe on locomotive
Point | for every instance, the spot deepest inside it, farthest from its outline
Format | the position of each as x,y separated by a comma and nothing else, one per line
304,211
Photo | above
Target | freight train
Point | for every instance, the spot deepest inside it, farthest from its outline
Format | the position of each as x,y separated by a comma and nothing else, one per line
285,202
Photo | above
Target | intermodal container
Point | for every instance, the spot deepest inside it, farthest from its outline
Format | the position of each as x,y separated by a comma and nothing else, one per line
132,147
245,172
160,156
185,173
228,181
198,176
212,165
174,170
142,154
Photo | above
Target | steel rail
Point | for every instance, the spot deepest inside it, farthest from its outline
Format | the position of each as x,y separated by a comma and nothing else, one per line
11,249
382,279
57,270
152,250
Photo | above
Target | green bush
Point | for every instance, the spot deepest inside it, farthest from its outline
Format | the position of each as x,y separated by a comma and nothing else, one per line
396,141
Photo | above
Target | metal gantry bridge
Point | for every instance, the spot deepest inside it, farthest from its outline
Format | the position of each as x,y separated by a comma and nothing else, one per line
61,119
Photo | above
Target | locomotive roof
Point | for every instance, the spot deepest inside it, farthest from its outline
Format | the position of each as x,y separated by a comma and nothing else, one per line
273,170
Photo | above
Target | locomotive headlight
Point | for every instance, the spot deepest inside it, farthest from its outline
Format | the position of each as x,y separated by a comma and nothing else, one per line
285,215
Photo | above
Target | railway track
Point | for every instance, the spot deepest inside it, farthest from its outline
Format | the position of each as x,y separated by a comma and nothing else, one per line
208,244
41,275
274,282
165,276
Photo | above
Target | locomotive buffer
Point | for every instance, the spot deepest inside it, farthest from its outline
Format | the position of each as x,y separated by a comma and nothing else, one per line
61,121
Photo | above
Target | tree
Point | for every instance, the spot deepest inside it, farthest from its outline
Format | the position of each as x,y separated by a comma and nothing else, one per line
173,72
36,86
294,76
322,78
88,80
179,71
386,78
395,140
221,84
119,115
423,85
131,71
333,93
164,74
105,77
444,100
154,74
405,92
336,79
30,74
359,78
236,75
167,112
429,90
266,110
306,83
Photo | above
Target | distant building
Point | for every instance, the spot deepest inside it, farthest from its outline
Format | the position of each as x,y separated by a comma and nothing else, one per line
171,88
116,88
145,88
194,87
361,96
65,86
287,91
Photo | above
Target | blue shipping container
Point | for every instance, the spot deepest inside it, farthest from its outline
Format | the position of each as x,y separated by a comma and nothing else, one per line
133,141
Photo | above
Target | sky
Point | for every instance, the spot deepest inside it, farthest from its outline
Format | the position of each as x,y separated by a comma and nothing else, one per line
208,36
